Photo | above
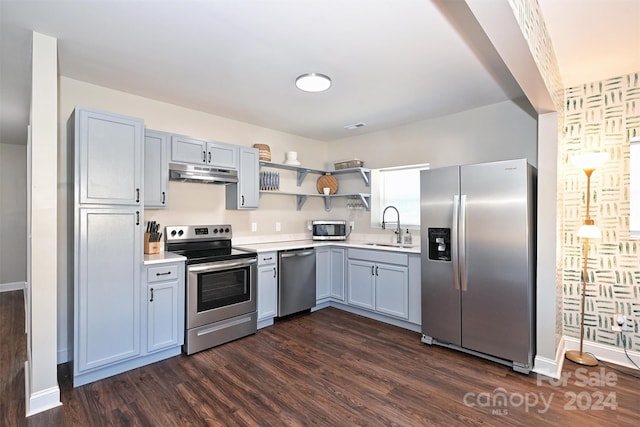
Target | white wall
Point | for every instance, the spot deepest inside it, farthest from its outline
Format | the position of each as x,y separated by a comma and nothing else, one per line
13,216
494,132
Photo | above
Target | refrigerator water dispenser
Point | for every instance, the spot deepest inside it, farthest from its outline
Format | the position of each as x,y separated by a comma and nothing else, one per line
440,244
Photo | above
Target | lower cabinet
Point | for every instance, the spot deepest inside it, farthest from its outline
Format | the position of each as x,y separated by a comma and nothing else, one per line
330,274
165,306
267,288
379,286
146,326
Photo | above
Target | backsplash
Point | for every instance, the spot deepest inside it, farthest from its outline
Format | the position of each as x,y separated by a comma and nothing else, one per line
600,116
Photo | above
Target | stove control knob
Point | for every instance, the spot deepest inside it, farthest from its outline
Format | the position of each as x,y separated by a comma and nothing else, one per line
180,233
215,231
173,233
226,230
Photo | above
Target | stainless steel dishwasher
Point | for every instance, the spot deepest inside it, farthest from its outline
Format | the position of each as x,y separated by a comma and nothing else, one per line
297,280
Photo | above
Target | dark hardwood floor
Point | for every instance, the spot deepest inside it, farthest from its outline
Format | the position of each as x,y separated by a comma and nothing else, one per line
326,368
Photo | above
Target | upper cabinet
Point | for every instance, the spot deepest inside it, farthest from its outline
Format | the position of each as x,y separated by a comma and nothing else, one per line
185,149
156,175
245,194
109,157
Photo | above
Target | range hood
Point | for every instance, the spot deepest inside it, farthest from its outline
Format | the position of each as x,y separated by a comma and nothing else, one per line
204,174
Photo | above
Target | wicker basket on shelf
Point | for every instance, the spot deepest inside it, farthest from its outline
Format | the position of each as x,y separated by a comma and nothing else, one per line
264,152
347,164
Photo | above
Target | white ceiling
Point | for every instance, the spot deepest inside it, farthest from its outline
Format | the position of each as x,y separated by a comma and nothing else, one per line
392,62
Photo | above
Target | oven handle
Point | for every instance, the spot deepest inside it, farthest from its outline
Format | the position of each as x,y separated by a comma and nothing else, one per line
221,265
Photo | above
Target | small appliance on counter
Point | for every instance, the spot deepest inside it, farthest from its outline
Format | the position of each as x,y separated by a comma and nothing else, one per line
329,229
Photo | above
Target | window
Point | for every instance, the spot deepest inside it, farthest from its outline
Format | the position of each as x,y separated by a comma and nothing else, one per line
399,187
634,193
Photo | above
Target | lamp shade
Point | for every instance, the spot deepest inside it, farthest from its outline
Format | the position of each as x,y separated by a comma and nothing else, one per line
589,231
589,161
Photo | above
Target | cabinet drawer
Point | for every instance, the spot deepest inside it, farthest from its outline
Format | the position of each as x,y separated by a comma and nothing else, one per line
387,257
266,258
162,273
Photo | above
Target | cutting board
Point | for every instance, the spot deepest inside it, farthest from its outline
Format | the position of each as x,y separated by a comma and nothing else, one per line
327,181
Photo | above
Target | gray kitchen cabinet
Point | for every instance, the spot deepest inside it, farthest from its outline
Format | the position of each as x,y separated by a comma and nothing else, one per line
362,282
323,274
330,273
156,174
108,256
267,288
246,193
185,149
164,295
379,281
108,156
338,271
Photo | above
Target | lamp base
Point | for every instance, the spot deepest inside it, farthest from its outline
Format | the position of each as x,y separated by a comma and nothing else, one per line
581,358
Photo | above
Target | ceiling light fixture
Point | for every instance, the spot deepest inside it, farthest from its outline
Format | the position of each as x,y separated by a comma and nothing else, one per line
313,82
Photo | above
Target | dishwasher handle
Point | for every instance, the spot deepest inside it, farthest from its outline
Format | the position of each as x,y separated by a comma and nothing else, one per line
293,254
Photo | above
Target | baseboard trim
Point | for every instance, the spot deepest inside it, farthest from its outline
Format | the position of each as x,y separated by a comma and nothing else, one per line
12,286
42,400
604,352
64,355
550,367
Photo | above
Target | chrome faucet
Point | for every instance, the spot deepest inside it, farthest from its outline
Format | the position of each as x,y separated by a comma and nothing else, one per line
384,224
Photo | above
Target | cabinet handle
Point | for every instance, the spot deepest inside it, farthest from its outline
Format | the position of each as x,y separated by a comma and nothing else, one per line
137,217
137,195
151,300
163,274
372,271
164,197
242,203
209,156
376,270
204,157
274,272
268,259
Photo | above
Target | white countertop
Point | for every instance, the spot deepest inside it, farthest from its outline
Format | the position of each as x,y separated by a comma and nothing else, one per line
299,244
162,257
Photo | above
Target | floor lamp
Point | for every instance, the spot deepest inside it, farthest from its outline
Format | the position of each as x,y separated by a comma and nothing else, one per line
588,162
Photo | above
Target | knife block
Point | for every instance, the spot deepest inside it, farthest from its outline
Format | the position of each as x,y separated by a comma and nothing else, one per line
150,247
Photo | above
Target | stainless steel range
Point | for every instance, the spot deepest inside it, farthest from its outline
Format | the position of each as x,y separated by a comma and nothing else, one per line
221,285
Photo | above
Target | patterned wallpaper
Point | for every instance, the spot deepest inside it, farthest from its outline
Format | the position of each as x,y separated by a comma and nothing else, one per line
600,116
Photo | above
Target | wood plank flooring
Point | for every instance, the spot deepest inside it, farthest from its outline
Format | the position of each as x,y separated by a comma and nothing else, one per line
328,368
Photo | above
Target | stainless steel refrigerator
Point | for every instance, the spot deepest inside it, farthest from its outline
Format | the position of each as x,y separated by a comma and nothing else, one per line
478,260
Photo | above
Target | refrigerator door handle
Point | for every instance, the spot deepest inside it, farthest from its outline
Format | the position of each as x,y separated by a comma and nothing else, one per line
455,242
463,242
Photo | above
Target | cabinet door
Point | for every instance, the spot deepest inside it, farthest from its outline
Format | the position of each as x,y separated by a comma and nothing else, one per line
162,315
188,150
323,273
156,175
337,279
222,155
392,290
107,287
248,179
361,283
109,155
267,291
245,194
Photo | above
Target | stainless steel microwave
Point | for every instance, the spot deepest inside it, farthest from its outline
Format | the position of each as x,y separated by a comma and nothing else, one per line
329,229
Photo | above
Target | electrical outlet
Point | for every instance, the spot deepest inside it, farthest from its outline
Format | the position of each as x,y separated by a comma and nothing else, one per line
254,226
278,227
621,323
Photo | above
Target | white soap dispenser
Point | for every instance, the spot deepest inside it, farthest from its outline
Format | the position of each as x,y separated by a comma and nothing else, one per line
406,238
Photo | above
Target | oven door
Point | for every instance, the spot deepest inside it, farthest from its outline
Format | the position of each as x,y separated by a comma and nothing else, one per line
220,290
